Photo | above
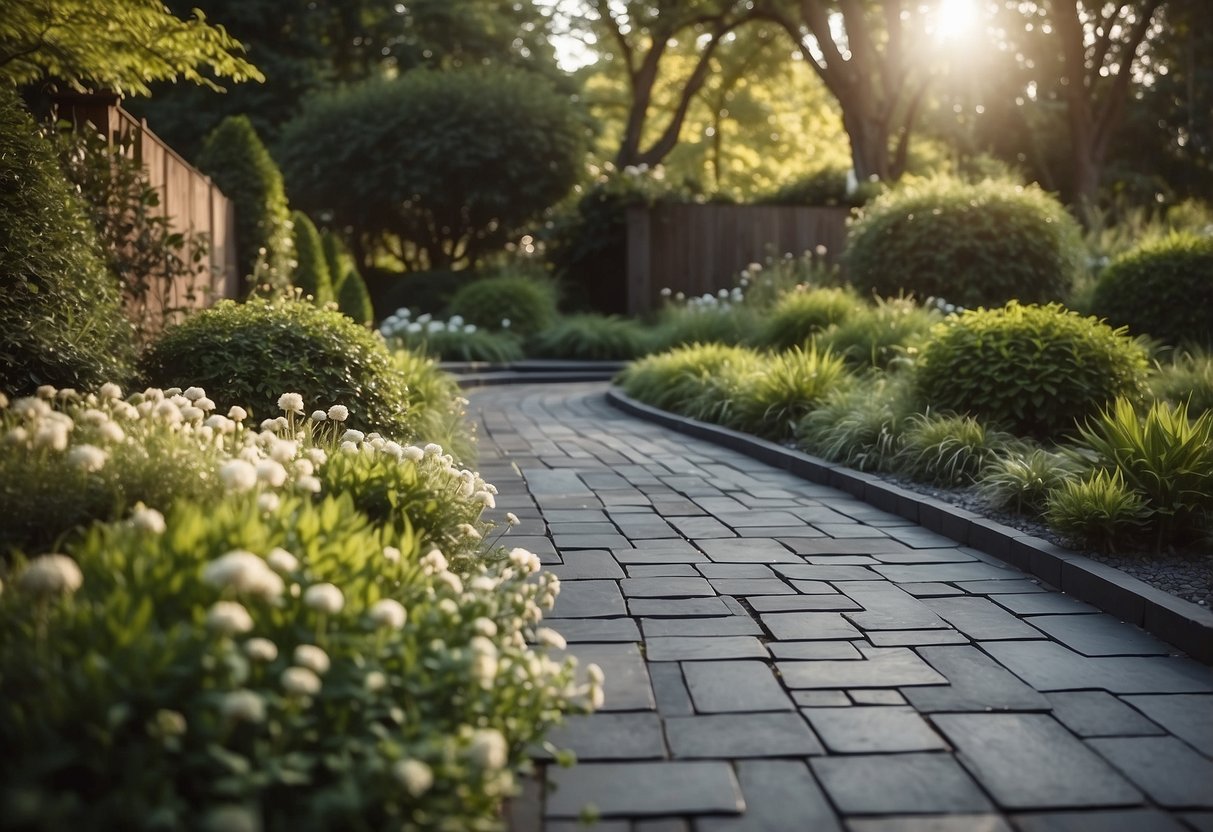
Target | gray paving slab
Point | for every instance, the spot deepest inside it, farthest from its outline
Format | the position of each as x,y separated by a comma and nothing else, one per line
808,626
666,588
670,689
813,650
746,550
807,699
833,602
1048,666
1187,716
723,686
699,648
1097,713
876,696
867,730
1030,761
895,783
677,607
722,625
1100,635
780,795
886,607
589,599
930,823
926,556
1119,820
975,683
626,687
981,619
914,638
751,586
595,629
712,571
611,736
588,541
814,572
1166,769
1042,603
662,570
587,564
659,551
946,573
893,667
644,789
741,736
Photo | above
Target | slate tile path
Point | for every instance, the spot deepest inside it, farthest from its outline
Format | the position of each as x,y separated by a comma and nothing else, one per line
782,657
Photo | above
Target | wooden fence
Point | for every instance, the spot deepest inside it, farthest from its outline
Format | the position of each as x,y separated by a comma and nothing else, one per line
697,249
193,204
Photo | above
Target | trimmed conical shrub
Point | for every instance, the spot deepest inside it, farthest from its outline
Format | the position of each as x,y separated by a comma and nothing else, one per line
338,258
354,300
311,266
234,157
61,318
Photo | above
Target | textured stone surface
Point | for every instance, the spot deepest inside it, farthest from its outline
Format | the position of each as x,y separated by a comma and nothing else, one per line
975,683
780,795
808,626
895,783
734,686
892,667
1188,716
1171,773
692,648
588,599
870,729
1099,635
736,736
1095,713
689,787
609,736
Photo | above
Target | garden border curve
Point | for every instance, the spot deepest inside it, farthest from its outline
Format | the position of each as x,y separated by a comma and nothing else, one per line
1183,624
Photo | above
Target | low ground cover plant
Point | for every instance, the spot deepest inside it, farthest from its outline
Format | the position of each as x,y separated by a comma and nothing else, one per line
591,338
321,632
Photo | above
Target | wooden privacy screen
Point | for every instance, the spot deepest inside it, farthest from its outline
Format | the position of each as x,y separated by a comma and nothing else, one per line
697,249
193,204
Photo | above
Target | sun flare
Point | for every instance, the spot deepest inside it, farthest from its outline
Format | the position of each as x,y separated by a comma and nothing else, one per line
955,19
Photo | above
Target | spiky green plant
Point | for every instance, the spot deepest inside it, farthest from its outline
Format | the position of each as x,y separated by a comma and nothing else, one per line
788,387
1021,480
947,450
1097,511
859,426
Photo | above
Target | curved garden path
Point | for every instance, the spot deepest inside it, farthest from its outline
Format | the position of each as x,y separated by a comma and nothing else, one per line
780,656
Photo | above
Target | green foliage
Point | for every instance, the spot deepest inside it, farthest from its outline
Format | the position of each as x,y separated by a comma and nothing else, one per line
423,292
311,263
1162,288
337,257
519,303
234,157
114,46
61,320
353,299
879,335
250,353
1166,458
437,167
591,338
1022,479
462,344
714,324
803,313
825,186
1035,369
1188,379
1098,511
980,244
859,426
947,450
676,380
437,411
789,386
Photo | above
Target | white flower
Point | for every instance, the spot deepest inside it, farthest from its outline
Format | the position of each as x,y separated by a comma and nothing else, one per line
413,454
313,658
433,449
290,403
526,562
229,618
434,562
167,723
280,560
304,467
550,638
271,472
243,706
220,423
375,681
666,292
317,456
318,416
391,554
485,626
194,393
244,573
51,575
512,519
268,502
45,391
192,414
299,681
353,436
388,613
28,407
237,413
488,749
416,777
261,650
88,458
53,435
310,484
324,598
283,450
594,673
452,582
349,448
147,519
237,475
270,425
109,390
204,404
339,413
468,530
486,498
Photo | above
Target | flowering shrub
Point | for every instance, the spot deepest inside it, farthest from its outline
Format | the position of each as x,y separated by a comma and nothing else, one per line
313,639
451,340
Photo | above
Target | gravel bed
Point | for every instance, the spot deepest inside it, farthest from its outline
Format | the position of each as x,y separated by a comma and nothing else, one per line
1184,574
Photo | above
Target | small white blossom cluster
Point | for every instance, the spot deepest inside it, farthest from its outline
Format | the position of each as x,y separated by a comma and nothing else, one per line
942,305
401,324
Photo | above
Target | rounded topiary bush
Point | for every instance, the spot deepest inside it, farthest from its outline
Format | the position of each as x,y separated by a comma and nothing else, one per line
515,302
235,158
312,265
250,353
974,244
1034,369
61,319
1162,288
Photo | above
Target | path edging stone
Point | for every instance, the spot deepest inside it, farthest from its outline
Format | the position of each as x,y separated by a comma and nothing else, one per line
1186,625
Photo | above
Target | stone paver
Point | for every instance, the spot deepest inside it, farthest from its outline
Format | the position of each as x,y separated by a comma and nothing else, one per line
782,656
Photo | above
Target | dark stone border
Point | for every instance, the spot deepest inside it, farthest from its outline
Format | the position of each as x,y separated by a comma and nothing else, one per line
1186,625
538,371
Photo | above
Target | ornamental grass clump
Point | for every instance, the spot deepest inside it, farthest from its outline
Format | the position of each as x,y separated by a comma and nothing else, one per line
591,338
674,380
947,450
803,313
1022,479
1098,511
861,425
882,335
1188,379
324,634
1036,370
788,386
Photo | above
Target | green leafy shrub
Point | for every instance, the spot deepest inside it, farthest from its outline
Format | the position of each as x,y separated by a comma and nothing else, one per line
1164,457
337,257
591,338
979,244
451,340
726,323
312,267
674,380
519,303
859,426
1021,480
825,186
1162,288
249,353
61,320
234,157
437,408
800,315
456,162
718,397
881,334
353,299
1097,511
947,450
423,292
1186,380
1034,369
789,385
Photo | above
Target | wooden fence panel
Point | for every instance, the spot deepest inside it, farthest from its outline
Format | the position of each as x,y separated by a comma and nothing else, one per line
697,249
